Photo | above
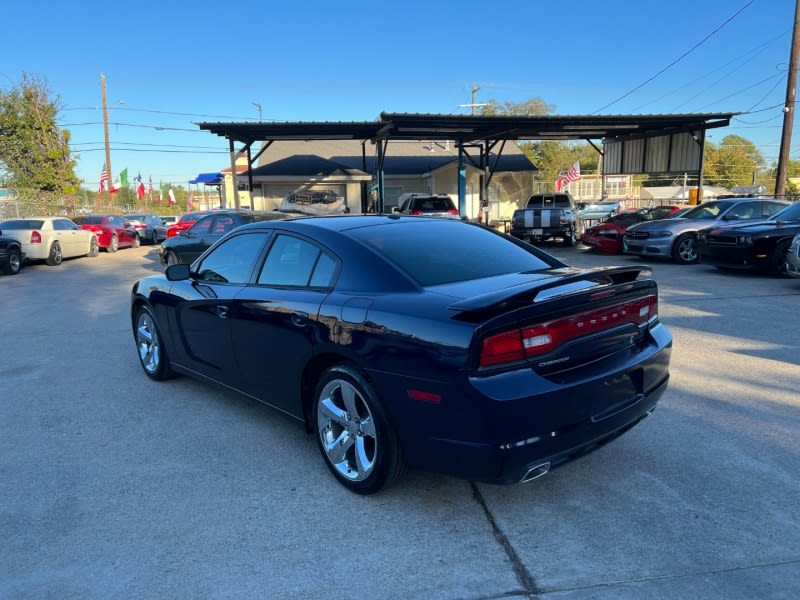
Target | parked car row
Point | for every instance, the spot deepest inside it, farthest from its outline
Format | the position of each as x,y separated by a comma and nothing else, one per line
52,239
731,233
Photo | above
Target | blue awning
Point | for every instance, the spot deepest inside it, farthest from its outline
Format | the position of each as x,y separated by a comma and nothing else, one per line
208,178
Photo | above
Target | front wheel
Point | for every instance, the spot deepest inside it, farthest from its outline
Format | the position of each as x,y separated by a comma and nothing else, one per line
13,262
777,259
358,443
56,256
685,250
94,247
152,355
114,245
172,258
154,237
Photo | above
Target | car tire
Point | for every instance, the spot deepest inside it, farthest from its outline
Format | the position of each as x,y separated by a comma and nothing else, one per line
777,259
152,354
354,435
13,262
569,239
55,257
172,258
154,237
684,252
94,247
136,241
114,245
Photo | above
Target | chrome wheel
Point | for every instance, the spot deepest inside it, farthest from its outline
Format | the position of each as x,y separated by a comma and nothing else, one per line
136,241
114,245
152,355
172,259
14,263
55,257
346,430
94,247
685,250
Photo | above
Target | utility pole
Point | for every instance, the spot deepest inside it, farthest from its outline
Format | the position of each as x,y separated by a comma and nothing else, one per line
476,87
105,131
788,108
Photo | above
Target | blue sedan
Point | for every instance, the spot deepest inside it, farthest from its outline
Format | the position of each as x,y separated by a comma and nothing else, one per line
413,342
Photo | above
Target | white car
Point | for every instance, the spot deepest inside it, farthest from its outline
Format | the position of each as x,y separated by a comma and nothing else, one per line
50,238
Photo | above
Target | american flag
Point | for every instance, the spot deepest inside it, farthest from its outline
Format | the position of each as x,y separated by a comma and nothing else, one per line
574,173
104,180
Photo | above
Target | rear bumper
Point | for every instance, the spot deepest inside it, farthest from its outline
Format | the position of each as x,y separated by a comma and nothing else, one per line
496,429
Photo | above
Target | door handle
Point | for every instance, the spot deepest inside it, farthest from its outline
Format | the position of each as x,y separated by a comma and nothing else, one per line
221,311
299,318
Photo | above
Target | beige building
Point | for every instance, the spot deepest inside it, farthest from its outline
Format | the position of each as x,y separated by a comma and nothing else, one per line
347,168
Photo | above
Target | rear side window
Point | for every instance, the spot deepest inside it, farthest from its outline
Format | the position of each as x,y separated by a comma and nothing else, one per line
433,204
295,262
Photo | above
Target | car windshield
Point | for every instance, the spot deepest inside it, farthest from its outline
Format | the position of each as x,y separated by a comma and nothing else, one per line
601,206
434,253
709,210
21,224
790,213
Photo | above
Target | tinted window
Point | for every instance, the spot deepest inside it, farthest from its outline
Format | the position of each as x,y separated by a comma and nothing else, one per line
202,227
89,220
433,204
549,201
291,262
443,251
233,260
745,210
63,225
789,213
21,224
709,210
223,224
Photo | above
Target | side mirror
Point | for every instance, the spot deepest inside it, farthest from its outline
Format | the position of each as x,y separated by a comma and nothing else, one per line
179,272
395,209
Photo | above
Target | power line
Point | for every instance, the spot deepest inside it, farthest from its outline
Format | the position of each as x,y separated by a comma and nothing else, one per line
677,60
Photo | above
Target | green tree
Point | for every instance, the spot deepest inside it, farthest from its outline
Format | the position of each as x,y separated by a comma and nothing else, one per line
734,162
549,157
34,152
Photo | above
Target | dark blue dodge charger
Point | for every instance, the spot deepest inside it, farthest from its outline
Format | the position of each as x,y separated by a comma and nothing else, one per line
417,342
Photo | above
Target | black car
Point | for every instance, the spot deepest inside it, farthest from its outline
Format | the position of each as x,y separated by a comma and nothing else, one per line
759,246
11,255
417,342
191,243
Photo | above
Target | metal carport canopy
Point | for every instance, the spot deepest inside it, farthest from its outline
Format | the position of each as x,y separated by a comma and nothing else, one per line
468,130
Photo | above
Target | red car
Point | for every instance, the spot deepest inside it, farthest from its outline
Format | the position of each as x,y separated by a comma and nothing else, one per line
187,220
606,238
112,231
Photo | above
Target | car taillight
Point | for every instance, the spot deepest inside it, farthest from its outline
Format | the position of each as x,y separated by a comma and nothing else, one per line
36,237
415,211
452,211
542,338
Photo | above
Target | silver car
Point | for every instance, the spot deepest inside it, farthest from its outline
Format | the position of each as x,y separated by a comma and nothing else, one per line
675,238
793,257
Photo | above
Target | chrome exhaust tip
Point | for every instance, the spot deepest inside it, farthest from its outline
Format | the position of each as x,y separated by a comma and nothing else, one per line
536,472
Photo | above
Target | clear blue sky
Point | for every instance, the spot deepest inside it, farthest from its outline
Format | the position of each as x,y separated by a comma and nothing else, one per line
174,64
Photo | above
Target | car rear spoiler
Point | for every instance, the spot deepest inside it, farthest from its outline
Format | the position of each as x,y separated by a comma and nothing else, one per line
567,281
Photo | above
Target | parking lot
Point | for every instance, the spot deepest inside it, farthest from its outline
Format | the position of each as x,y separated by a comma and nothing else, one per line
114,486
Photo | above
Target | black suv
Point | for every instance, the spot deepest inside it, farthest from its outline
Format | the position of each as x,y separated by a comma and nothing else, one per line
11,255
